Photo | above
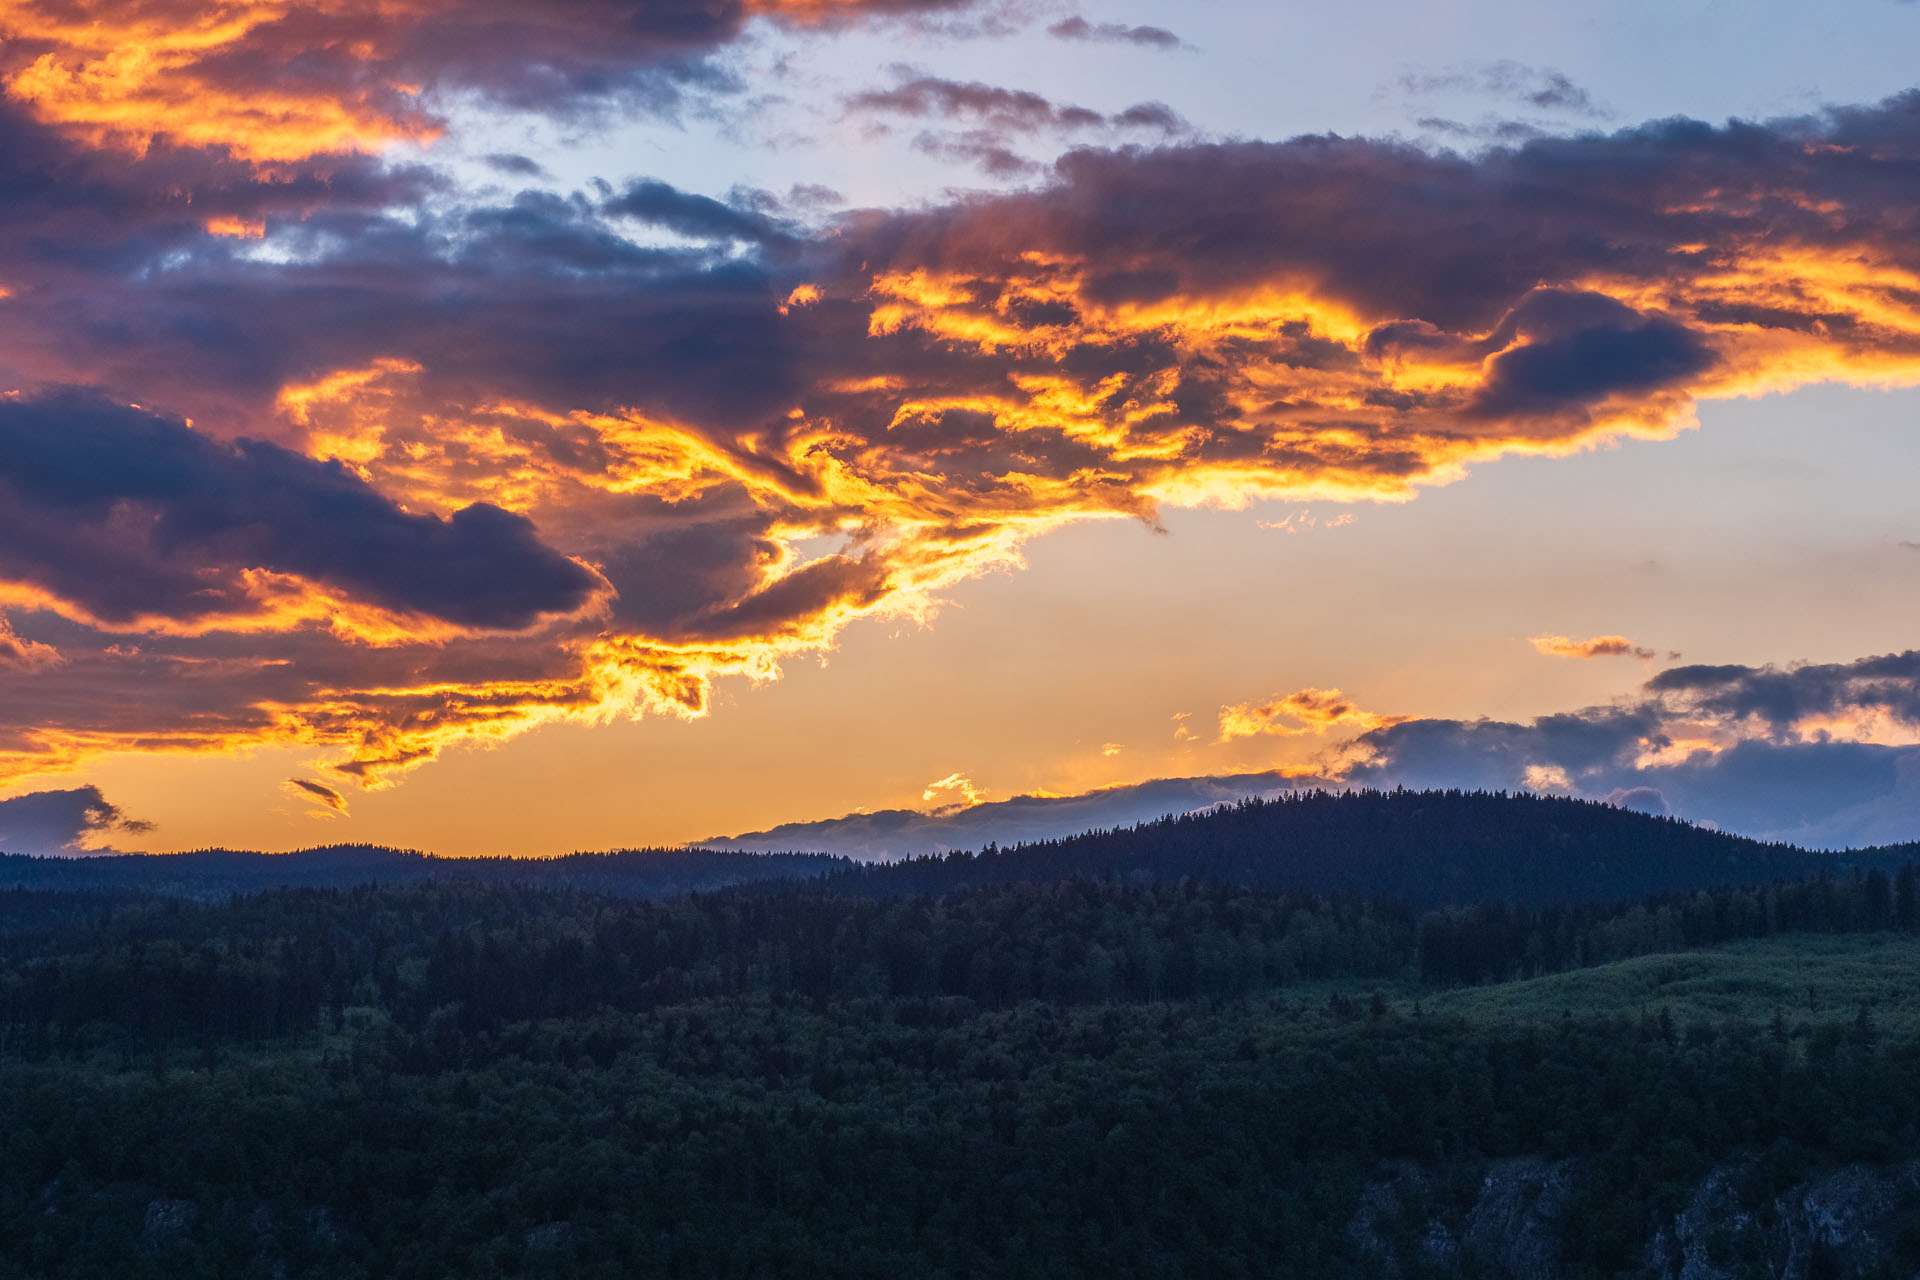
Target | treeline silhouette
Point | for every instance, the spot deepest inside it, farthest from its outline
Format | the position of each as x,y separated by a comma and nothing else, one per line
478,957
1424,848
212,874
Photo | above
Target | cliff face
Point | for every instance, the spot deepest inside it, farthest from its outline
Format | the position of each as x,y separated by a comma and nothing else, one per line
1516,1218
1857,1221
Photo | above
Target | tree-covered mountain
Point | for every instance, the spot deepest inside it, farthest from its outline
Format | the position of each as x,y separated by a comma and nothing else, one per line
219,873
1070,1078
1422,848
886,834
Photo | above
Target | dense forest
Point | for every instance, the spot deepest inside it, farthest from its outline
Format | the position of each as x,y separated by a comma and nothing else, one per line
1093,1067
1424,848
214,874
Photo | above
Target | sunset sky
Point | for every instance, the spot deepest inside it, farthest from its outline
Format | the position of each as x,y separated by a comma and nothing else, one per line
494,428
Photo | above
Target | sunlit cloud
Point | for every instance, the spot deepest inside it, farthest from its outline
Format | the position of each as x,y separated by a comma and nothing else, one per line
18,652
409,473
282,81
326,802
1821,752
1540,88
956,790
1546,777
52,823
1595,647
1302,711
1301,521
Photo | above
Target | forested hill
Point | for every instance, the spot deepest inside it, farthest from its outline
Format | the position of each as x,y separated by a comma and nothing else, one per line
1115,1067
220,873
1422,848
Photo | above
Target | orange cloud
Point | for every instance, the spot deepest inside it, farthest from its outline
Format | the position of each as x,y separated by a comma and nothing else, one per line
128,75
955,791
19,653
280,81
1311,711
1596,647
725,466
237,228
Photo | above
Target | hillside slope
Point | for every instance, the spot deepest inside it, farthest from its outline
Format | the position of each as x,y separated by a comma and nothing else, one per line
219,873
1422,848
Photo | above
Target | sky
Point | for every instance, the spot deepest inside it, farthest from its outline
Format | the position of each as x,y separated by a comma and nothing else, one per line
893,424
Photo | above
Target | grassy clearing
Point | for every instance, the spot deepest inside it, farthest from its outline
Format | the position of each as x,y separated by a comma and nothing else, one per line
1810,978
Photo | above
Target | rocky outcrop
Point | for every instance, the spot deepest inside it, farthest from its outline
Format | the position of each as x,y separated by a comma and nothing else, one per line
167,1224
1515,1225
1851,1223
1398,1218
1861,1220
1519,1223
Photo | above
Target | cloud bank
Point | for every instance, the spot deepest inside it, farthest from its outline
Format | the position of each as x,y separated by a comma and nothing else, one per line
302,449
1820,754
284,80
1825,756
54,823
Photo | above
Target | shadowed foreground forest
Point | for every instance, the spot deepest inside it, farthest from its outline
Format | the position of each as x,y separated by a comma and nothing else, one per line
1074,1059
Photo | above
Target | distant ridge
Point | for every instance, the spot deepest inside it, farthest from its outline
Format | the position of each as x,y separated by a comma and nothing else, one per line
896,833
221,873
1422,848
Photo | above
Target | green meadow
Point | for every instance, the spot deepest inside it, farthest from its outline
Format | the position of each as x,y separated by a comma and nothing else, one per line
1803,978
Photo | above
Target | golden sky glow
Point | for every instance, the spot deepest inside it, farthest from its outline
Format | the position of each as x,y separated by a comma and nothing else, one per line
127,74
314,441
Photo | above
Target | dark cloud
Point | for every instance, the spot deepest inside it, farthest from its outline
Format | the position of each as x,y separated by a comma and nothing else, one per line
286,82
1506,132
1541,88
1078,28
1591,364
66,207
131,515
998,115
680,573
697,217
1786,698
330,800
982,150
1814,754
830,583
514,165
1151,115
774,428
812,197
52,823
1012,109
